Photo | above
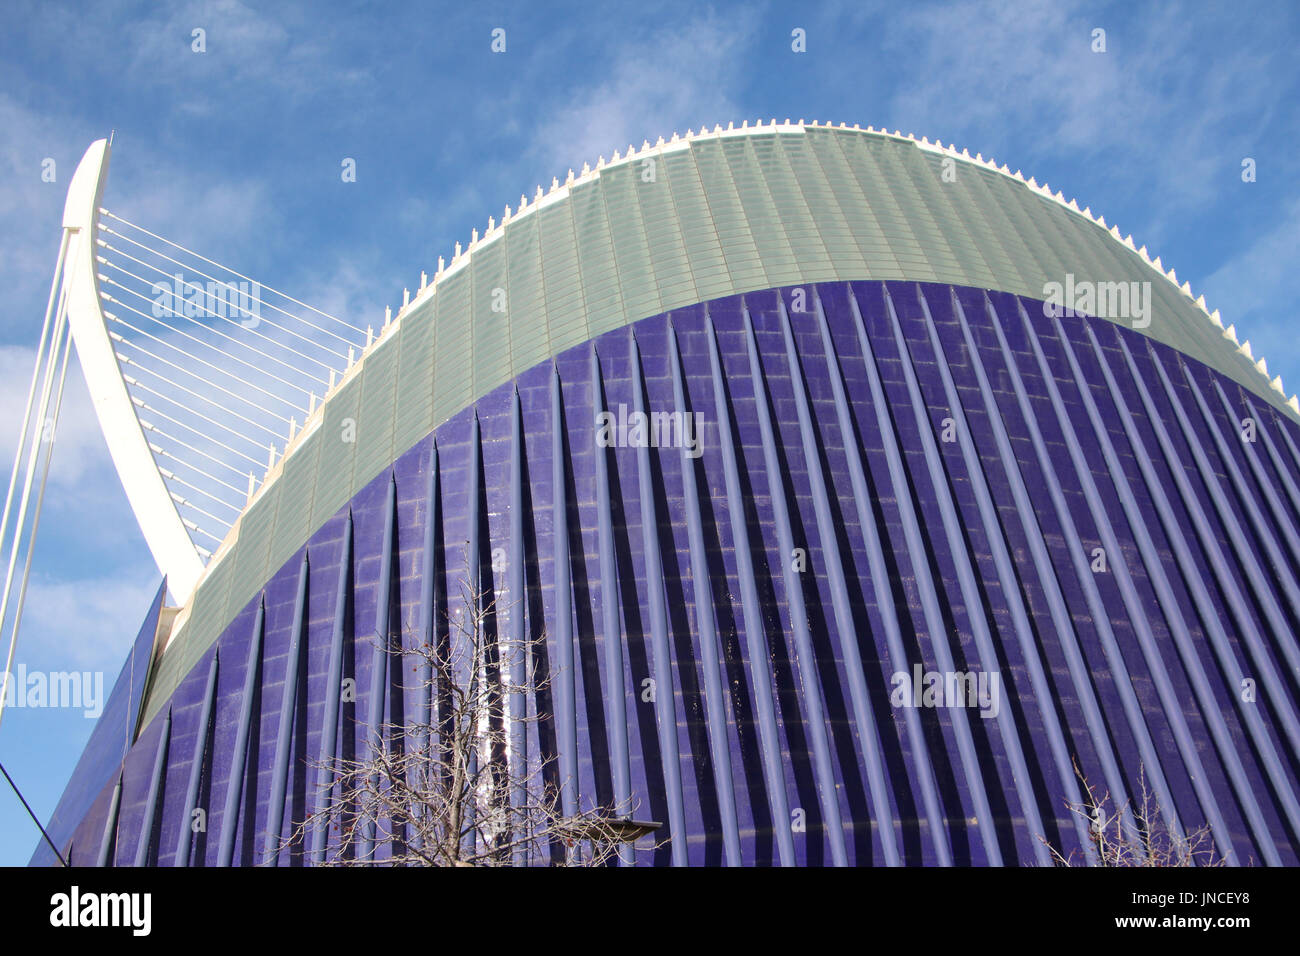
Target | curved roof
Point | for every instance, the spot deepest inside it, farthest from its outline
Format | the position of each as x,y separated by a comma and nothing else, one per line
668,225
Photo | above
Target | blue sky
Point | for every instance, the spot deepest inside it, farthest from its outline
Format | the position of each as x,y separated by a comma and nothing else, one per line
236,152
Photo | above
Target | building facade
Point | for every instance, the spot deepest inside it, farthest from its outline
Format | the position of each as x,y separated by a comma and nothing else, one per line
869,504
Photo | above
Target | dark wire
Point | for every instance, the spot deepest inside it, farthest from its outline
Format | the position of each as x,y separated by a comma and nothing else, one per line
28,808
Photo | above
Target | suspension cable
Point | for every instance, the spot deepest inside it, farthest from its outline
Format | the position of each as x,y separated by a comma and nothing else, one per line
177,348
168,473
167,398
216,315
30,813
182,500
141,403
151,427
40,495
203,398
56,343
191,252
171,475
31,391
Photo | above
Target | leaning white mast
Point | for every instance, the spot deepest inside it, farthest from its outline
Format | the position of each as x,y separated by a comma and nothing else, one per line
74,314
164,530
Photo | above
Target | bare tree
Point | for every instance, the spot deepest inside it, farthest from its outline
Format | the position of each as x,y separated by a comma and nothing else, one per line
461,788
1148,841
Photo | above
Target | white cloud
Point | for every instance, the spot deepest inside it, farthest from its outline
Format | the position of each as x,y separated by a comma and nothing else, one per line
183,204
1251,285
989,75
679,76
85,623
30,209
225,216
79,445
192,209
284,55
1264,272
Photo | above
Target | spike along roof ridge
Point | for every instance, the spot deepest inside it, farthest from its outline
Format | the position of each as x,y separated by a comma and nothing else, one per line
429,285
558,190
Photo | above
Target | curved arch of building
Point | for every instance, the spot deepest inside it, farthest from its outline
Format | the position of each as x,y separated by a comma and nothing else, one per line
669,226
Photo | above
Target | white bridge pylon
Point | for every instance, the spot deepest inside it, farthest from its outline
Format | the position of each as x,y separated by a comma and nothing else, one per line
164,529
199,375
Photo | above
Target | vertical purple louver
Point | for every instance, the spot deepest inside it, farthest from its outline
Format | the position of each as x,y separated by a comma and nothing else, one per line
895,478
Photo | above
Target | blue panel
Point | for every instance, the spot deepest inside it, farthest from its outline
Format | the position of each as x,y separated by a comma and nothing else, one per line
108,743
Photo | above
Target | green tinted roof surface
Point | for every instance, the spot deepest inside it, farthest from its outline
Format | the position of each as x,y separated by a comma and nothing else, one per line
715,214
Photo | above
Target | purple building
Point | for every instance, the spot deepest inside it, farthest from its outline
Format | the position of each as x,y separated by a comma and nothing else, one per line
862,502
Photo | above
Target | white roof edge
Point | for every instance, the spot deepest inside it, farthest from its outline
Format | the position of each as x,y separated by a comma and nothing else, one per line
558,191
678,143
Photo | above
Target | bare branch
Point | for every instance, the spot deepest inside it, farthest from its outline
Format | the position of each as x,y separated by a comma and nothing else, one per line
1148,841
449,790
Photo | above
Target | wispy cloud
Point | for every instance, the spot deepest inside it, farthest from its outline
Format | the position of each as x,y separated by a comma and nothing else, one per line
1253,282
681,75
79,450
222,215
30,208
991,74
84,622
282,55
